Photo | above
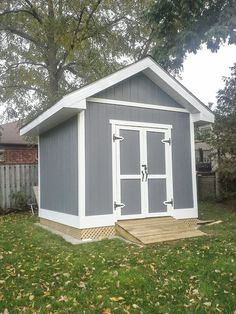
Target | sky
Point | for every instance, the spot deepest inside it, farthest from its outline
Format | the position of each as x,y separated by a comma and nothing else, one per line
203,72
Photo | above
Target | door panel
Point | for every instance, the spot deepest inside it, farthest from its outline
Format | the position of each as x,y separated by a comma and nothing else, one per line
142,172
155,153
156,195
156,162
129,152
131,196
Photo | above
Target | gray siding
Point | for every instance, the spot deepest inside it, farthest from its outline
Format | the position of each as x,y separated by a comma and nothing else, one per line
138,88
59,168
98,152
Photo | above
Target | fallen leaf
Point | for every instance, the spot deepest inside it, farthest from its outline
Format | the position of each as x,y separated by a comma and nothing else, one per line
135,306
116,299
31,297
82,285
106,311
63,298
6,311
208,304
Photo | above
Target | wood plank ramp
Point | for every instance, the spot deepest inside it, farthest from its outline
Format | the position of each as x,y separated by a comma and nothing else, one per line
154,230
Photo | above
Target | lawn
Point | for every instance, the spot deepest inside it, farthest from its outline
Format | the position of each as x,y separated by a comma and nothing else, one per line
41,273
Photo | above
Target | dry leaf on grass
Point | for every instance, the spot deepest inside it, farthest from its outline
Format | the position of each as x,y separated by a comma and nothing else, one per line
106,311
116,299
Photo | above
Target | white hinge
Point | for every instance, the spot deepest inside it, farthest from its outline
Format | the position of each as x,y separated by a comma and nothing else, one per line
117,138
116,205
171,202
168,141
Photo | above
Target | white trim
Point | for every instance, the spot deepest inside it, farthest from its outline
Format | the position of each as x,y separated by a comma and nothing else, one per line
65,219
39,195
98,221
140,124
142,128
135,104
159,76
184,213
81,165
193,162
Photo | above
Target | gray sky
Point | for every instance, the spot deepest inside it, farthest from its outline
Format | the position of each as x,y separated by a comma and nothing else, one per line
203,72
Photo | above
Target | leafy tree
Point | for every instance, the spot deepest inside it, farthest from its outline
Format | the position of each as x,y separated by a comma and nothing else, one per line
182,26
51,47
222,138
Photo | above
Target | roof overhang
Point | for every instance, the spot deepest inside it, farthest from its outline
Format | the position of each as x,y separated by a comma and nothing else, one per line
76,101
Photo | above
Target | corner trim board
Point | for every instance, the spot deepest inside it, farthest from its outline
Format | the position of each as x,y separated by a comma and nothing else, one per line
193,162
81,165
135,104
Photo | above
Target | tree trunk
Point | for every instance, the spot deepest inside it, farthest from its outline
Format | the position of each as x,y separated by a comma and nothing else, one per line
53,94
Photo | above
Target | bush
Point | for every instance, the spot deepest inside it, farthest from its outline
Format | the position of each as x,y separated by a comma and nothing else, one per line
20,200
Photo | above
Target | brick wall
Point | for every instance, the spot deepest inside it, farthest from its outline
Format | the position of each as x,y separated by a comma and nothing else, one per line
19,155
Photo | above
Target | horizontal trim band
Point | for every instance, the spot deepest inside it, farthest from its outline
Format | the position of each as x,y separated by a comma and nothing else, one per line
135,104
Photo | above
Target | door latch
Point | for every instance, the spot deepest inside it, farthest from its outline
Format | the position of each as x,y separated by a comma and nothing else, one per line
168,141
116,205
171,202
117,138
144,172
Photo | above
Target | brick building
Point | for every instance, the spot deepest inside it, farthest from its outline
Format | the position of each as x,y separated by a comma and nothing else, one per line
13,147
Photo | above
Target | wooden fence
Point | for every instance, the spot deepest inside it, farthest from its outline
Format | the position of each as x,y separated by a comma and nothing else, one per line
14,178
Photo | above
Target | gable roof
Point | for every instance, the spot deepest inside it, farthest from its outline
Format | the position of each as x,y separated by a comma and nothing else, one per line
76,101
10,134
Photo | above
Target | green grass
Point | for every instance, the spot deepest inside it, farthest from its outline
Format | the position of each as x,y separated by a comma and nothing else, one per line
41,273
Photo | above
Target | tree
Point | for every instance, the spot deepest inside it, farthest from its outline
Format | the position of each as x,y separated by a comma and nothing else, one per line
51,47
222,138
182,26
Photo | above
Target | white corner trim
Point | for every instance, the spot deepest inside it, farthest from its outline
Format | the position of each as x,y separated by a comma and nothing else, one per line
65,219
184,213
141,124
193,162
39,196
135,104
81,164
98,221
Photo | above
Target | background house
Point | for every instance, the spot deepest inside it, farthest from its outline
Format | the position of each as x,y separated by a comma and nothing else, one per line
18,165
13,148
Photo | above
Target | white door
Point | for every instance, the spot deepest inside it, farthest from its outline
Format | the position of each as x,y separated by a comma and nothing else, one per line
143,171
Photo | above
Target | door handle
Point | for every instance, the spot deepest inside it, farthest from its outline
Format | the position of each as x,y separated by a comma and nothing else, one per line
144,173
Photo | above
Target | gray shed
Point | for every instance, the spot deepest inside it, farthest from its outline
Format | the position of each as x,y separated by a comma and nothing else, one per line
119,148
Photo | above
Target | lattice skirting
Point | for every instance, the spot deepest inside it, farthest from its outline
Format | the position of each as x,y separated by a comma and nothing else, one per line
89,233
98,233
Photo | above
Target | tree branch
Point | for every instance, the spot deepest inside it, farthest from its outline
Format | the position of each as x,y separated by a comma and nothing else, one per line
21,34
34,12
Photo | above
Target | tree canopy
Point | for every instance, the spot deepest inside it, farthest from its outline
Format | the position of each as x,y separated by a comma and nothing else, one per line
182,26
49,48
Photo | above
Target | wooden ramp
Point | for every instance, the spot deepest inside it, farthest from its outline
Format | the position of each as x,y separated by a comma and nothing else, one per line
161,229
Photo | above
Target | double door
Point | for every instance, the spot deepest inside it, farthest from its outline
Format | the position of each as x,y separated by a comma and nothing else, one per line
143,186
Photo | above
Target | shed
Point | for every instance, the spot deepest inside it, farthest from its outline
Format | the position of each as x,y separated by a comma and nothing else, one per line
117,149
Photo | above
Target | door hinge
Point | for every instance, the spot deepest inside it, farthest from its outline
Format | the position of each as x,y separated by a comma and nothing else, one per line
171,202
168,141
116,205
117,138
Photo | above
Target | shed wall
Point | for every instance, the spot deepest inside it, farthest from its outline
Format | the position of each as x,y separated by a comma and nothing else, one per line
59,168
98,153
138,88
